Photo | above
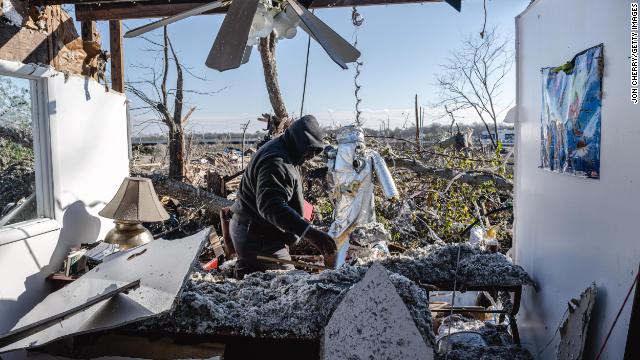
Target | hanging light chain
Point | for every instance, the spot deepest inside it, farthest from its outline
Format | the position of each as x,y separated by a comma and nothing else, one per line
357,21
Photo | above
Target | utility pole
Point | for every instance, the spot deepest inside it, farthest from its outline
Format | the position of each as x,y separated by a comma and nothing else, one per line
422,121
244,131
417,125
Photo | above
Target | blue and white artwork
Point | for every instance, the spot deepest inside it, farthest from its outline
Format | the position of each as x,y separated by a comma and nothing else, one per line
570,122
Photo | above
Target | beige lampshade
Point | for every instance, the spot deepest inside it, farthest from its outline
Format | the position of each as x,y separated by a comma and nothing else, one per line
136,200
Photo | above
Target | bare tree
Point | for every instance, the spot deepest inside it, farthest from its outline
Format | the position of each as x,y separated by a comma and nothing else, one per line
280,121
474,77
165,102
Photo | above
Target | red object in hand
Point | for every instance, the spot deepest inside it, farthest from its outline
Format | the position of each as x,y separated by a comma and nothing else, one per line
307,211
211,265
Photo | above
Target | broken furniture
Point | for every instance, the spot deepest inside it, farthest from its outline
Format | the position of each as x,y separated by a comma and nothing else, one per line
135,202
161,267
439,267
510,313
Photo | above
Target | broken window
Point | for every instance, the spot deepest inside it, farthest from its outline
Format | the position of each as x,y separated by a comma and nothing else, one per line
18,199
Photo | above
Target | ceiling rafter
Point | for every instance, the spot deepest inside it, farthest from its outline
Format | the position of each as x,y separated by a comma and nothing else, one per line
88,10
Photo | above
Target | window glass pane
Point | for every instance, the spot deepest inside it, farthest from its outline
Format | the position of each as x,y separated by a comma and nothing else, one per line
17,166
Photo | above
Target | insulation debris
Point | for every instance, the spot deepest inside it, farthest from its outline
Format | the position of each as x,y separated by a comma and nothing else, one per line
369,240
11,14
371,233
276,304
436,264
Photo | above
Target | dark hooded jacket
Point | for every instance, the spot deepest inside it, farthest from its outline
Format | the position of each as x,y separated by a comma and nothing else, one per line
270,193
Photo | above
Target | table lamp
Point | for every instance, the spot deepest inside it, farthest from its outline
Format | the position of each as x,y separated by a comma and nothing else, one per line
135,202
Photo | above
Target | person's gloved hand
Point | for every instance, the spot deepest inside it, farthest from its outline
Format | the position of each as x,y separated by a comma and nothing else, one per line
321,240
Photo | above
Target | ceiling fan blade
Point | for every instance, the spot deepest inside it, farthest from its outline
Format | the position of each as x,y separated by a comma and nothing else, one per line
171,19
247,54
228,49
336,47
457,4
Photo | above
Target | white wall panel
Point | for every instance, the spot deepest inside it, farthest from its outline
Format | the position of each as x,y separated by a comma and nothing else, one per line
572,231
90,158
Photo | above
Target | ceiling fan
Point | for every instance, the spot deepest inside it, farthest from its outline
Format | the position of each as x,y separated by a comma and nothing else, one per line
248,20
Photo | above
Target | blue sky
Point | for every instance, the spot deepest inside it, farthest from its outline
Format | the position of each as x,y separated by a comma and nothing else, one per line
402,49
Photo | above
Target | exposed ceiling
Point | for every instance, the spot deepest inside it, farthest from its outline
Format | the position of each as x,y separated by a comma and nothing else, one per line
87,10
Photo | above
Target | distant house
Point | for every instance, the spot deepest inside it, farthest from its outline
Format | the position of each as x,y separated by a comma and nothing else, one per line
506,136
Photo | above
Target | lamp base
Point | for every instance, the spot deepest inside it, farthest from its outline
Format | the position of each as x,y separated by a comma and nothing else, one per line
128,234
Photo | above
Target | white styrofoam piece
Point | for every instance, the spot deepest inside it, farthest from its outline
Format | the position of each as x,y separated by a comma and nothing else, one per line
372,322
162,267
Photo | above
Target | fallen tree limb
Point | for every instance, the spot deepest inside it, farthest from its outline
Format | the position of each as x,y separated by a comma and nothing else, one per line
214,203
472,177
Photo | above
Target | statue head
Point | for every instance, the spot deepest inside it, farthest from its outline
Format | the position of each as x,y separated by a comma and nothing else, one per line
351,134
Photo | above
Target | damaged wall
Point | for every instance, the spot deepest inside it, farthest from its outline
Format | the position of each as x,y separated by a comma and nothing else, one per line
89,150
572,231
46,35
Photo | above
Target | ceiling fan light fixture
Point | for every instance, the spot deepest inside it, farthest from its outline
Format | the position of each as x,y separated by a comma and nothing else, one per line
262,25
285,25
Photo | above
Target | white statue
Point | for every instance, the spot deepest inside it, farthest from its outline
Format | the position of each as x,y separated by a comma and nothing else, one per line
350,174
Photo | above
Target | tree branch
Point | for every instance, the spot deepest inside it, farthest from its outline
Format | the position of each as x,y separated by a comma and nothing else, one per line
475,177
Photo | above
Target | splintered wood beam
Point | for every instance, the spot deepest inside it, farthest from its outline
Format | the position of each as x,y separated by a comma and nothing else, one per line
117,63
121,10
88,31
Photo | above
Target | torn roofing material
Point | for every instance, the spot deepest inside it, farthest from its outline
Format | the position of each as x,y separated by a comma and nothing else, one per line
162,267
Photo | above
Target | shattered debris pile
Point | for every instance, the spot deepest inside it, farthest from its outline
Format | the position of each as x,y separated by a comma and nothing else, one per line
496,343
190,209
299,305
46,35
276,305
436,264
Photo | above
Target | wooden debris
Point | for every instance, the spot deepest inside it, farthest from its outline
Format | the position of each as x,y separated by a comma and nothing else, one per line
291,262
48,36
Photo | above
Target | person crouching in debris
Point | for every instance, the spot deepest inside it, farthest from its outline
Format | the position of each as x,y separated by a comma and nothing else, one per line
267,212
